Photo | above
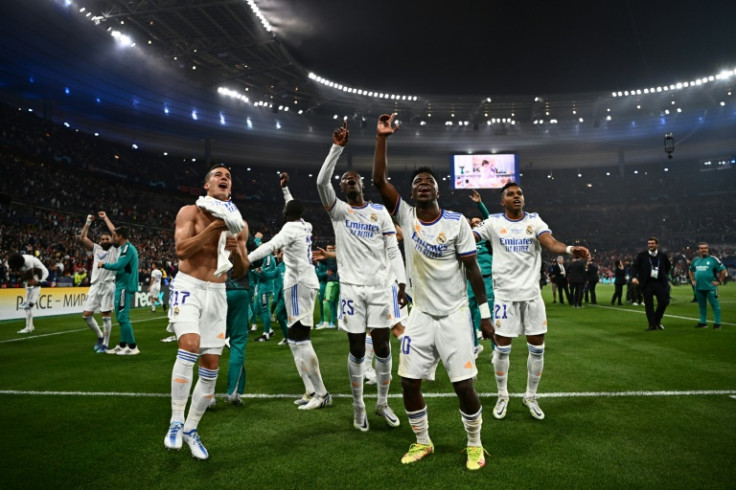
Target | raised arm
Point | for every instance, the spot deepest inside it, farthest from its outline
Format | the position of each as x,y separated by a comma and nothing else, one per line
103,215
389,194
324,186
550,243
187,242
475,197
89,244
284,181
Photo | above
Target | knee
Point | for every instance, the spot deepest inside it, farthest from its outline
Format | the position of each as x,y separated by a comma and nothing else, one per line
411,386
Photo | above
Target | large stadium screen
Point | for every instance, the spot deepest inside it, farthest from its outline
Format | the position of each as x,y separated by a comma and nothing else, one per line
483,170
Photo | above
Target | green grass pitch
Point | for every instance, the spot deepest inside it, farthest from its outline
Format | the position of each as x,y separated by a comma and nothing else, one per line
626,408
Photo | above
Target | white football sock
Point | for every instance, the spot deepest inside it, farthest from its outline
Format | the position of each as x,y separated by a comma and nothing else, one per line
203,392
383,378
534,367
355,370
420,425
107,328
369,352
181,383
310,365
308,387
473,424
93,325
29,318
501,368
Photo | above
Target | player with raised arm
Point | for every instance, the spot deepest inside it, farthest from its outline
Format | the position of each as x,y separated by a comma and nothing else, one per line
207,235
33,273
365,238
517,238
102,283
439,246
300,290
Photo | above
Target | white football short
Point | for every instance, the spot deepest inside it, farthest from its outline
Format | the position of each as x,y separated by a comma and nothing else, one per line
514,318
365,307
299,302
199,307
154,291
100,297
32,295
429,339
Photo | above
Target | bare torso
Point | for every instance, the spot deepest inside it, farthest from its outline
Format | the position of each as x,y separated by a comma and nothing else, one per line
202,263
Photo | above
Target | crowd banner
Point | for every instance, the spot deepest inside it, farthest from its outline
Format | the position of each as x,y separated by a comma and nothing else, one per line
55,301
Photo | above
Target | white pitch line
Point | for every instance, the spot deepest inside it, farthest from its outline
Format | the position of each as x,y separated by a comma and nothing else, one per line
72,331
641,312
584,394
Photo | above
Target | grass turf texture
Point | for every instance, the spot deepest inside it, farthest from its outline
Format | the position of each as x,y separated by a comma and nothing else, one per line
599,432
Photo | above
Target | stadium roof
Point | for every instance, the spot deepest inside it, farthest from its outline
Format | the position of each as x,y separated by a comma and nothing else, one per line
473,63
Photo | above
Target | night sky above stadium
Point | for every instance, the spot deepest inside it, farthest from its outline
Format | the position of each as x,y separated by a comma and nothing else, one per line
492,47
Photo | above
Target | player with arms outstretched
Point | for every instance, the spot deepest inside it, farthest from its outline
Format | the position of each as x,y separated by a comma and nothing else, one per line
517,238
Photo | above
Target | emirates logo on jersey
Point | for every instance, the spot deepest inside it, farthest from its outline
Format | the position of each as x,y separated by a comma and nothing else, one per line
374,218
441,239
529,230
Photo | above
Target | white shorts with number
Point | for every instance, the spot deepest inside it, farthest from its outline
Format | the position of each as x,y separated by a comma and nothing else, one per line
199,307
299,302
429,339
100,297
514,318
32,295
365,307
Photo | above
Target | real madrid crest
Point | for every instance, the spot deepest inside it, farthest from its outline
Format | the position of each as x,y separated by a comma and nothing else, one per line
441,238
176,310
529,230
498,323
374,218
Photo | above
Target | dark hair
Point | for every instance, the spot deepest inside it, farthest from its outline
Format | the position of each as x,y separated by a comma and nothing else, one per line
213,167
122,231
423,170
16,261
507,185
653,239
293,209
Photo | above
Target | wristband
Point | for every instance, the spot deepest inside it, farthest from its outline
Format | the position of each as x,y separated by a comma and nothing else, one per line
90,219
569,250
485,311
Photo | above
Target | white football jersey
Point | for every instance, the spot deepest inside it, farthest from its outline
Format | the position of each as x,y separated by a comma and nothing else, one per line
109,256
362,234
517,254
156,276
31,262
295,238
433,250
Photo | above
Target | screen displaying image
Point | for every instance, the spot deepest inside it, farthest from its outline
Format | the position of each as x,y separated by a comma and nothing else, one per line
484,171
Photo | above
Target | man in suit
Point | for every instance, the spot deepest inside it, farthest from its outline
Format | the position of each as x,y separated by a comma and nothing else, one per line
558,275
650,271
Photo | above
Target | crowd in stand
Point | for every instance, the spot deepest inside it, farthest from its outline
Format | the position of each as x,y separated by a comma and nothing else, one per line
53,177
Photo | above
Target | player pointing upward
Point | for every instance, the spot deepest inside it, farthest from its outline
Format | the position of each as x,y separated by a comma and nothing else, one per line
439,245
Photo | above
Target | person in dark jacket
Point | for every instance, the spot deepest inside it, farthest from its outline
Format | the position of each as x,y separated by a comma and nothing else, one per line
619,281
591,281
576,276
650,271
